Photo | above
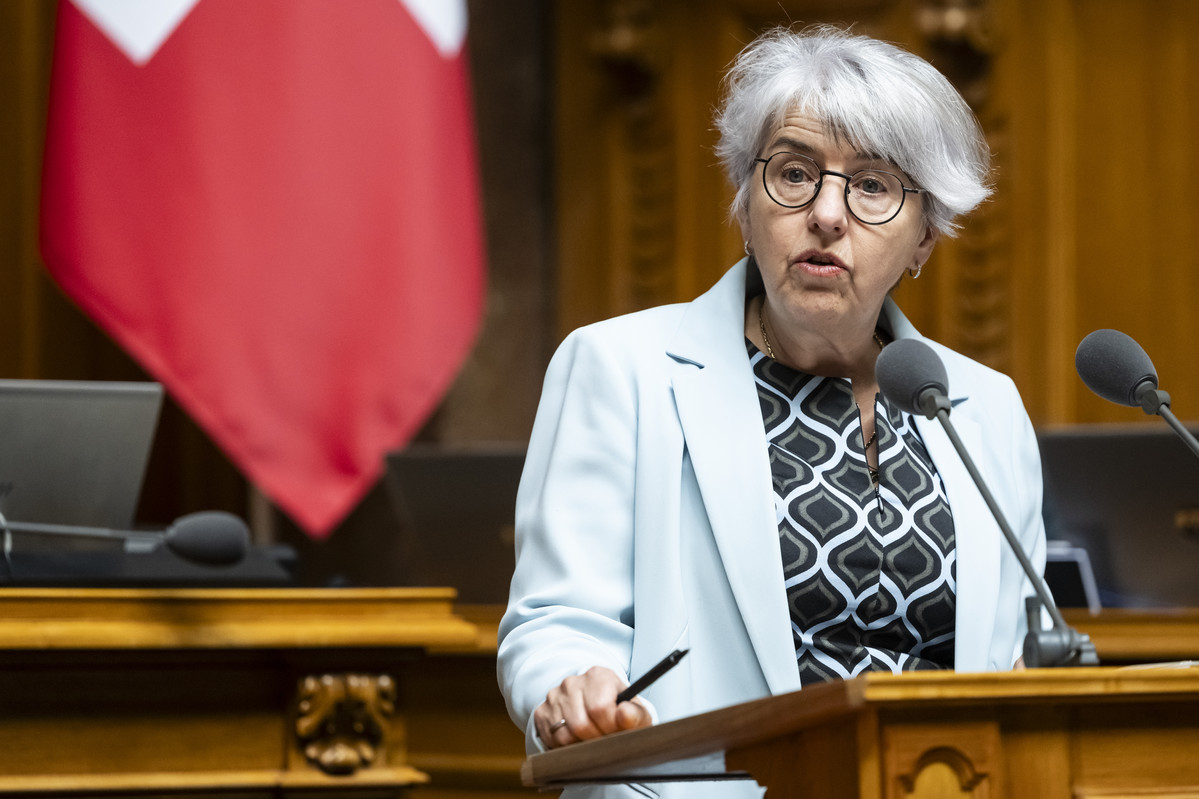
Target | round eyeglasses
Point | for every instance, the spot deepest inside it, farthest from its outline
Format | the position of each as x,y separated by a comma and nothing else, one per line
873,196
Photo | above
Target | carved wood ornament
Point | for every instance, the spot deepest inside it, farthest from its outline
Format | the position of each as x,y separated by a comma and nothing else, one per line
633,50
920,761
959,40
344,719
945,771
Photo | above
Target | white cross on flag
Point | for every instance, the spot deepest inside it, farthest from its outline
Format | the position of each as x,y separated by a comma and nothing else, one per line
273,206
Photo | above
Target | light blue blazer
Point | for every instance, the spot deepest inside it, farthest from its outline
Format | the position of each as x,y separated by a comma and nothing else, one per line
645,518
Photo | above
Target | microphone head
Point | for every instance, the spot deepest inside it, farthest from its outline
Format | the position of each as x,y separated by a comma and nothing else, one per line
1114,366
210,537
907,370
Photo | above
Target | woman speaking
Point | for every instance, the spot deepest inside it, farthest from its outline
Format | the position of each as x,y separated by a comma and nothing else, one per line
723,476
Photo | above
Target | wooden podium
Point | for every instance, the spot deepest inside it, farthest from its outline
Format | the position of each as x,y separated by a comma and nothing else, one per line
246,693
1038,734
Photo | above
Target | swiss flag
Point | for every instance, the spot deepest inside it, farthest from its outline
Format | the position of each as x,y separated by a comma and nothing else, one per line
273,206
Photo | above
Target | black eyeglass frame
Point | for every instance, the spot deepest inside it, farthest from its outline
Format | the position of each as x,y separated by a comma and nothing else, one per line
848,179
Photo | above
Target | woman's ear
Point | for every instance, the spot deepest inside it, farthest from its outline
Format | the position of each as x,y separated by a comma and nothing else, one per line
746,229
928,240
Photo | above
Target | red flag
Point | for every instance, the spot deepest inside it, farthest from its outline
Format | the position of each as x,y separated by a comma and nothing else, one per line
274,207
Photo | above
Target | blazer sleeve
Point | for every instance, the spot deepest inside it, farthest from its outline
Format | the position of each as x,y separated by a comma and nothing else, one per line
571,599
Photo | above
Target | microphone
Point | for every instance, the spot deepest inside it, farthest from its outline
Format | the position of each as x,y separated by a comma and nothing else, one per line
1115,367
210,538
912,376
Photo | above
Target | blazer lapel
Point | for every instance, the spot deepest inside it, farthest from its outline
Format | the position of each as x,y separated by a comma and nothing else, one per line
979,542
721,420
978,545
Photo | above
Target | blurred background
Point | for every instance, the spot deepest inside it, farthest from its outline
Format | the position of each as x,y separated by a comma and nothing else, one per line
602,195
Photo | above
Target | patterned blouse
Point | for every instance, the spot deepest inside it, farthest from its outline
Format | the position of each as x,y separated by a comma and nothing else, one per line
870,570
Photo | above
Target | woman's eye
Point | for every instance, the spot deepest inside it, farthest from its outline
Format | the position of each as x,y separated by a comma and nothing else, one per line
796,175
871,184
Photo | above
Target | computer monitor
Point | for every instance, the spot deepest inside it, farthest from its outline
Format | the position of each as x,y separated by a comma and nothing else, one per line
456,508
75,452
1129,496
73,456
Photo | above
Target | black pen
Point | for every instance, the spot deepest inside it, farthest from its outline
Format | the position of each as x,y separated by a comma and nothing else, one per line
651,676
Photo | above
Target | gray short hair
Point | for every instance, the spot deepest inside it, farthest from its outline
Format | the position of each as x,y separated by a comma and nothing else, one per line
873,95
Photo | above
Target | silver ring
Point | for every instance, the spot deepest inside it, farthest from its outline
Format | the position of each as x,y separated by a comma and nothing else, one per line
555,727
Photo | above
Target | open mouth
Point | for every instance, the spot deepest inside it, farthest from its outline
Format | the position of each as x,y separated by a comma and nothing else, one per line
821,260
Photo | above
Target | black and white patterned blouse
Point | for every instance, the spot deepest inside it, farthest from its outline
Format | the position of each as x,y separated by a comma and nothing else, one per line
870,572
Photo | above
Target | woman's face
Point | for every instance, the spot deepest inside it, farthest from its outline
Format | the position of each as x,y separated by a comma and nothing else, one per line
824,269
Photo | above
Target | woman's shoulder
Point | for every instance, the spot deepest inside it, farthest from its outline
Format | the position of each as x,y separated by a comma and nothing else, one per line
641,331
968,376
615,354
653,330
662,317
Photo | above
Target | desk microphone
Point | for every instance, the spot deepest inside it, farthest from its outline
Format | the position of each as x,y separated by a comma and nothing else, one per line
210,538
1116,368
912,376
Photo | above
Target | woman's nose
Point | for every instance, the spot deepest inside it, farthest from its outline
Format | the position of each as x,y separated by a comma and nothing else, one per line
828,209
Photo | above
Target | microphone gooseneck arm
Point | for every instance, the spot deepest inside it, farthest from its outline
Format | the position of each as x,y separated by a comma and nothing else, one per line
942,416
912,376
1061,645
82,532
209,538
1156,402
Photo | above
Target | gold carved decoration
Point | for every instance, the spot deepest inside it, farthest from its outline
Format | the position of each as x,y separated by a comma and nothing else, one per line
958,38
944,760
343,720
959,33
633,49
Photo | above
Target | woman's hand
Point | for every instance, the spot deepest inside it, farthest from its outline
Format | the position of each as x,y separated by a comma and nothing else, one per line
587,703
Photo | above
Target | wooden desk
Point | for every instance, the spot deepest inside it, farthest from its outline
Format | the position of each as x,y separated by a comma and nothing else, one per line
1039,734
264,692
1140,636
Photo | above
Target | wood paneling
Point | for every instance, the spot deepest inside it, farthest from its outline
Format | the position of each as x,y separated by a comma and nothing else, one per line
1098,89
639,196
1137,269
24,41
1090,109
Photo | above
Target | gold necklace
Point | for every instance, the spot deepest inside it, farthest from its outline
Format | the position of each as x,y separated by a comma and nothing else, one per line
762,327
873,472
770,350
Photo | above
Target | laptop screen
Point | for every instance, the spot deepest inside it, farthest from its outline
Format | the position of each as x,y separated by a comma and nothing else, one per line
75,452
1128,495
